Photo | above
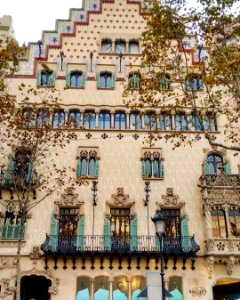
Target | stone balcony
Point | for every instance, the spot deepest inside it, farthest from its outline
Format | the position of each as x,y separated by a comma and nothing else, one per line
223,246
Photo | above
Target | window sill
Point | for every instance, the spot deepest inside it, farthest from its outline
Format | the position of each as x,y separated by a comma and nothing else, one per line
10,243
45,86
87,177
109,89
152,178
75,87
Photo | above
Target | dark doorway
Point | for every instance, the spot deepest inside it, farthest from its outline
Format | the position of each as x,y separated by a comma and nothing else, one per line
35,287
226,291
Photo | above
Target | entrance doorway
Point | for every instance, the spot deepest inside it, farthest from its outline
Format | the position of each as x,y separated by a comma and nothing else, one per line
226,290
35,287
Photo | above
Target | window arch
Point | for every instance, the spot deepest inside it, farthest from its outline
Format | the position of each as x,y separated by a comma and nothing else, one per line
165,121
181,121
74,118
210,122
58,118
195,122
106,46
76,79
104,120
194,82
150,121
134,47
87,164
105,80
28,118
42,118
135,120
164,82
134,81
89,119
120,120
214,163
120,46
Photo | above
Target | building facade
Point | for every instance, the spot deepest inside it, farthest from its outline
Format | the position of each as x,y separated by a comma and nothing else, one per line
100,241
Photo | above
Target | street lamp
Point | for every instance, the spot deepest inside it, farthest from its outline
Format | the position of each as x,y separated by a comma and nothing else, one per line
159,221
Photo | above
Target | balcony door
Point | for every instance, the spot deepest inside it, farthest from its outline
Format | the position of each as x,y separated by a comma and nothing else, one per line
68,228
120,229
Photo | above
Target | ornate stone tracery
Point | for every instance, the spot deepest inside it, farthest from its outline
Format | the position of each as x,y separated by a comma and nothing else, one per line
68,199
120,200
171,200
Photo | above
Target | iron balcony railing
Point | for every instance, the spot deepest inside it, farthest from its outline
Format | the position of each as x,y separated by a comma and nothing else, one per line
10,179
101,243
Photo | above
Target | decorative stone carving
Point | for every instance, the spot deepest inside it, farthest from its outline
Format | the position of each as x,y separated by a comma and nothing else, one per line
171,201
210,245
120,200
68,199
7,288
210,264
35,255
221,246
198,291
8,263
221,196
230,264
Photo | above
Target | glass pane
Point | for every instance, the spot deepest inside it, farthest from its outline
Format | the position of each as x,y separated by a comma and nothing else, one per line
92,167
134,47
83,167
156,169
117,124
148,168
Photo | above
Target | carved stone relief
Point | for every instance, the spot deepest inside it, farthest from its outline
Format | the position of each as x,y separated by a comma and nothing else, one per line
198,291
68,199
120,200
171,200
7,288
8,263
210,264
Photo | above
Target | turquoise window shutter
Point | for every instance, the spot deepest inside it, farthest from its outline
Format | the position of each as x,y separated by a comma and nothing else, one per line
134,233
39,75
52,80
80,234
185,234
82,81
113,81
96,168
206,169
10,170
161,169
68,79
107,234
98,81
54,231
78,171
201,85
227,167
29,173
143,169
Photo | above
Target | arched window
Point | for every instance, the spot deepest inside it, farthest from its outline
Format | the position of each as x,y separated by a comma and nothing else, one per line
135,121
120,120
165,121
181,121
134,81
104,120
89,119
134,47
219,223
76,79
87,164
46,78
150,121
214,162
164,82
195,123
120,46
58,119
194,82
106,46
152,165
42,118
105,80
74,118
28,118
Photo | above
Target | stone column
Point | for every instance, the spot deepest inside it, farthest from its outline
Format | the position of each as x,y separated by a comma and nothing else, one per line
81,118
188,114
228,226
110,289
129,281
142,121
173,120
112,119
208,220
158,119
97,118
127,120
92,281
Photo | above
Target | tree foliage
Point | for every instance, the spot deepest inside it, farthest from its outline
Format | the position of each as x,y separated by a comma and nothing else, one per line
191,63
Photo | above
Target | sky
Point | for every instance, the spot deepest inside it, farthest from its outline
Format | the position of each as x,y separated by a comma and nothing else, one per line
31,17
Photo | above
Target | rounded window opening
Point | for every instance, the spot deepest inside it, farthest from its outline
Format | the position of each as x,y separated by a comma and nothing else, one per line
35,287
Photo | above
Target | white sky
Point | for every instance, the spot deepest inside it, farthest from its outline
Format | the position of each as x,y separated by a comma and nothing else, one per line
31,17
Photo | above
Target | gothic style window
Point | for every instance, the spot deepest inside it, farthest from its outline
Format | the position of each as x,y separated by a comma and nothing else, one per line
106,46
74,118
234,221
150,121
194,83
164,82
120,46
135,121
76,79
87,164
46,78
173,222
22,164
104,120
210,123
134,47
68,221
219,223
215,162
181,121
11,228
120,120
89,119
195,123
152,165
134,81
42,118
105,80
58,119
165,121
28,118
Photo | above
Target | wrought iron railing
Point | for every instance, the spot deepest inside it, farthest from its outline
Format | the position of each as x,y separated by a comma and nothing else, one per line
12,231
10,179
101,243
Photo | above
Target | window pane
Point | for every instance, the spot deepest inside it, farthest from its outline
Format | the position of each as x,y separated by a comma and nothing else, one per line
133,47
92,167
83,167
148,166
107,46
156,169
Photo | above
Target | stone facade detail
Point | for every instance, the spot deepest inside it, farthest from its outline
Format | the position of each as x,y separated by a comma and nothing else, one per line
8,263
7,288
171,200
198,291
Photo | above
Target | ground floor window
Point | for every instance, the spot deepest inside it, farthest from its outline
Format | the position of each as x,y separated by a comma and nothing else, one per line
35,287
